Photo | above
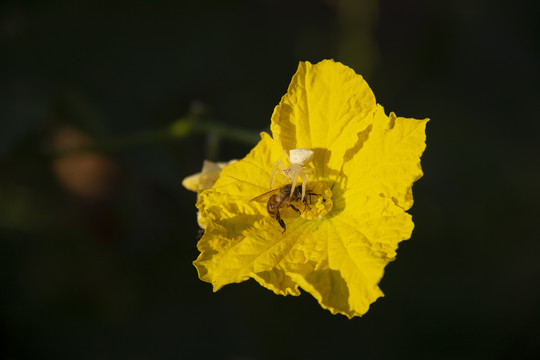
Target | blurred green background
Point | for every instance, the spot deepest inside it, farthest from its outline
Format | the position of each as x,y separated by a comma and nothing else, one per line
96,250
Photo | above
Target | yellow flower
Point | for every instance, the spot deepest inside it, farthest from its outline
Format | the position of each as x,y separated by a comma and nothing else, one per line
338,242
207,177
204,180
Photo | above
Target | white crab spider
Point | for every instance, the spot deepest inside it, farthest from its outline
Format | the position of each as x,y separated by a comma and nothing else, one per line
298,158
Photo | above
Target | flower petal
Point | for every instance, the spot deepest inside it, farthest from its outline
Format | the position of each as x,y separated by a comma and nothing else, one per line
326,105
207,177
385,160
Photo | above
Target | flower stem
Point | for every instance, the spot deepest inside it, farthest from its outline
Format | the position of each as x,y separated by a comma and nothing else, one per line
179,129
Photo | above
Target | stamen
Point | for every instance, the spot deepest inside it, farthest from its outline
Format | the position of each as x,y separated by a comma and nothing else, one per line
318,201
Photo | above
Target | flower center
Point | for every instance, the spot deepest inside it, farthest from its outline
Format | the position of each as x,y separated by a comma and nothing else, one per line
318,200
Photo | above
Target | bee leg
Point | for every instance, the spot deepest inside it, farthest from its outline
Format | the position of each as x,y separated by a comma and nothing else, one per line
308,198
281,222
295,209
310,194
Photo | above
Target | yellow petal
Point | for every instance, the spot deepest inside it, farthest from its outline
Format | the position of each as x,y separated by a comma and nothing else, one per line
385,161
326,105
207,177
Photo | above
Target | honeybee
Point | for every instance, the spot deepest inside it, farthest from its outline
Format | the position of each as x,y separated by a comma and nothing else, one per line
282,197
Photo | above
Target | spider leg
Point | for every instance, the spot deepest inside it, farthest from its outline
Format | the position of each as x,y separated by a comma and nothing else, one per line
293,186
310,174
273,173
304,184
287,156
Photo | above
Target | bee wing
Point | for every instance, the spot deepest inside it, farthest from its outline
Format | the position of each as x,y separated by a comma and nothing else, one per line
264,196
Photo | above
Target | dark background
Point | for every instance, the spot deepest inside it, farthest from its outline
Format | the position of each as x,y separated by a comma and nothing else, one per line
96,250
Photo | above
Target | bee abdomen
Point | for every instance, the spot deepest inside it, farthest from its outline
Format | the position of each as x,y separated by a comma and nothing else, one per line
272,205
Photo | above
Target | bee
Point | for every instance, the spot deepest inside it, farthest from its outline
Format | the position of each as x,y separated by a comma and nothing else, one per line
282,197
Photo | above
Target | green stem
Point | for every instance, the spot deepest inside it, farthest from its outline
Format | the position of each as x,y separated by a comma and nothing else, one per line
243,136
179,129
